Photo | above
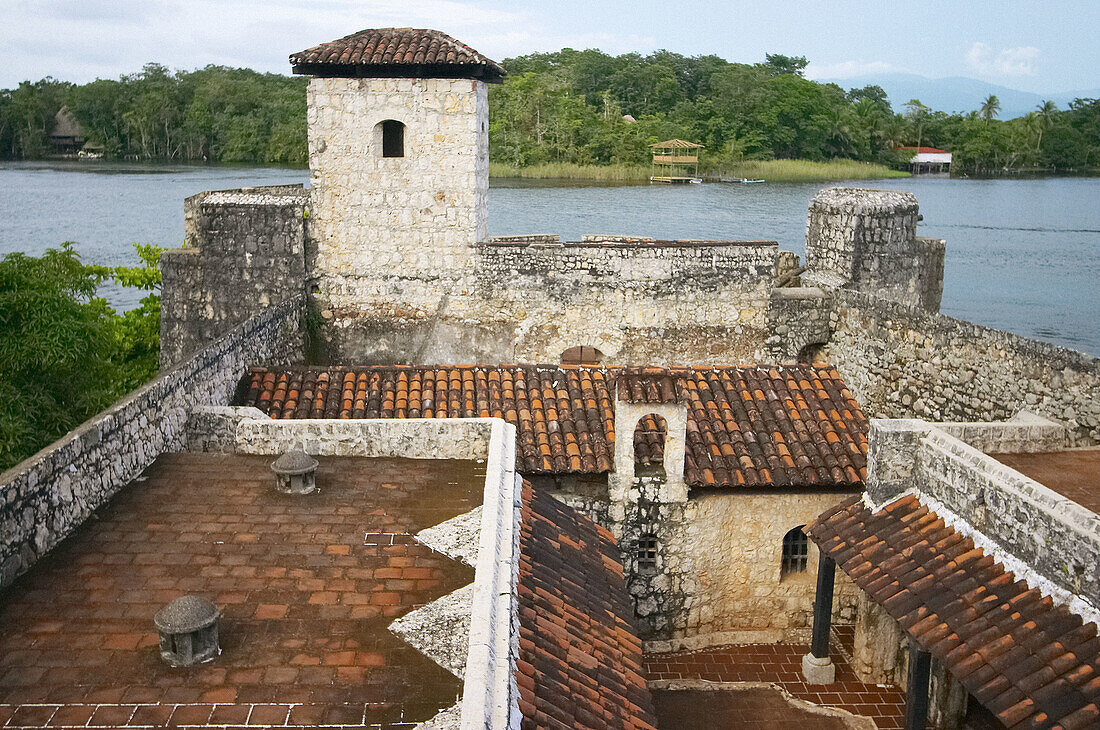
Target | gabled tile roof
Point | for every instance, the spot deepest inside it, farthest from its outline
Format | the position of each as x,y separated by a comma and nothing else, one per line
396,51
580,658
1029,661
791,426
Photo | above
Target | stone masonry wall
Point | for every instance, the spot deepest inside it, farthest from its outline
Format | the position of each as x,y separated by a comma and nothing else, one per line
652,302
45,497
1042,536
734,541
900,362
244,250
797,318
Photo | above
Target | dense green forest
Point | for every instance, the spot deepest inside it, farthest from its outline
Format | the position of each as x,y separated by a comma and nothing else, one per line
215,114
567,107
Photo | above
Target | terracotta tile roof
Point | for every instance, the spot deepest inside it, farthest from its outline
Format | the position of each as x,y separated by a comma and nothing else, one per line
647,385
781,426
396,51
580,658
1030,662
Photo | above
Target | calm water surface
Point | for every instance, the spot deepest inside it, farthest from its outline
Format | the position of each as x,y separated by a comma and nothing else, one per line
1022,255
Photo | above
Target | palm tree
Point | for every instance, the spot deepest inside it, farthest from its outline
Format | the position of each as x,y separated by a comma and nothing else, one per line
990,107
917,112
1045,114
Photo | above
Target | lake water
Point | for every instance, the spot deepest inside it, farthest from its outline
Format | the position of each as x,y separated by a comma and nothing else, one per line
1022,255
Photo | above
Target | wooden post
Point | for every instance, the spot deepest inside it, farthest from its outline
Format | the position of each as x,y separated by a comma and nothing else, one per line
823,606
817,668
916,693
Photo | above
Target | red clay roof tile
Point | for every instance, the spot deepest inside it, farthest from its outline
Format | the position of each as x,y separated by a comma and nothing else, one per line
1027,660
580,660
792,426
397,51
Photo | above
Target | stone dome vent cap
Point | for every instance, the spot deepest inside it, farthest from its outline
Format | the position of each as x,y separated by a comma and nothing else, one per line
294,463
186,614
188,628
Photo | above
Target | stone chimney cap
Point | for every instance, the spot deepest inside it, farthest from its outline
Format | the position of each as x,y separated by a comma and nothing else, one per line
186,614
294,463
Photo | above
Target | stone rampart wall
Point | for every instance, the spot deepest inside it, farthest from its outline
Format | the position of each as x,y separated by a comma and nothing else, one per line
901,362
45,497
245,250
866,240
798,318
652,302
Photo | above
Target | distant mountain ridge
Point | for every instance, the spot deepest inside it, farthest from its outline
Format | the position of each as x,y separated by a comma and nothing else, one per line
957,93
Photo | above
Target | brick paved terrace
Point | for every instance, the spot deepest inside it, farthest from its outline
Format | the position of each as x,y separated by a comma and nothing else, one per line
1073,473
306,590
776,664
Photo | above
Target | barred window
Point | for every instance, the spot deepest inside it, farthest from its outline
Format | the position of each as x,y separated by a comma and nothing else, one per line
647,552
796,550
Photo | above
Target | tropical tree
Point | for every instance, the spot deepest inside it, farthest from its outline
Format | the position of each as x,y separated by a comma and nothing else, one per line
917,114
64,353
990,107
1045,112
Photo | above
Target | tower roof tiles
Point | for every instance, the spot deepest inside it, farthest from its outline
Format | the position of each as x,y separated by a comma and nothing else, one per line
396,52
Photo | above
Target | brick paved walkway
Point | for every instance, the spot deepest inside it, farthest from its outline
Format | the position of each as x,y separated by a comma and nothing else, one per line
306,584
781,664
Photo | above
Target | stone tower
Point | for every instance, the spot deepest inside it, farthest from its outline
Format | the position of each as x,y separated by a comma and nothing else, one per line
867,240
399,168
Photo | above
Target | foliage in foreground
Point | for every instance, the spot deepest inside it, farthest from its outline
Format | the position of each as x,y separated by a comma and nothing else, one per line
65,354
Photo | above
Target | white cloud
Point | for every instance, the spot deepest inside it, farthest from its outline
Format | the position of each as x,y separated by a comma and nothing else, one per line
984,60
107,38
847,69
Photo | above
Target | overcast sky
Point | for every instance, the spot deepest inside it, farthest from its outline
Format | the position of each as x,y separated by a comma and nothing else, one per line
1044,46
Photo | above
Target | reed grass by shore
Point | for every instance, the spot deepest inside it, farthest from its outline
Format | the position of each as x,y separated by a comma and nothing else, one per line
770,170
570,171
806,171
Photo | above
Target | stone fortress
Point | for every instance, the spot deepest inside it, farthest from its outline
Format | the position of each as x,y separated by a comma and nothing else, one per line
319,317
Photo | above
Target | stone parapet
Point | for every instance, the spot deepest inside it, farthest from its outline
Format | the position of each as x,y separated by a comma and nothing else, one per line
866,240
244,250
1040,535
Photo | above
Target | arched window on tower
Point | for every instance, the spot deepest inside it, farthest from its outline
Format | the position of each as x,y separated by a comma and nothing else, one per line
796,553
393,138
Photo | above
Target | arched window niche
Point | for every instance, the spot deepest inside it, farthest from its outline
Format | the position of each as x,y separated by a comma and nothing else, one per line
581,355
389,138
649,445
796,553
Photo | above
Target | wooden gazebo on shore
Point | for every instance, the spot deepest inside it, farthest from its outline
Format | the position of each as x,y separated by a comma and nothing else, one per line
675,161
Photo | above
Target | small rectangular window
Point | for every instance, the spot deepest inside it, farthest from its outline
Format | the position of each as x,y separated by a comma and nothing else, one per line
647,552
